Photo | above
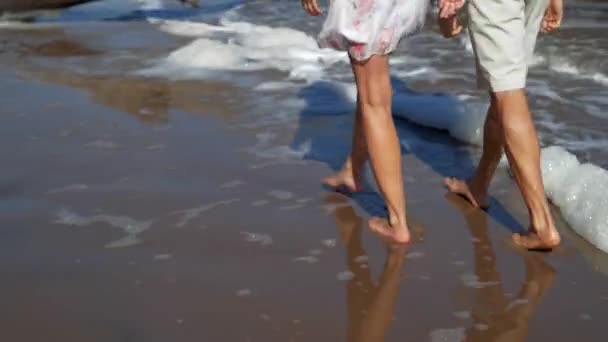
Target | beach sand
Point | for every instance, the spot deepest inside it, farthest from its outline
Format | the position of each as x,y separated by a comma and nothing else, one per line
147,218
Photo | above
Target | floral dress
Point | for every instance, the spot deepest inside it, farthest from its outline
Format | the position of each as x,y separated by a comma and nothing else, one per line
370,27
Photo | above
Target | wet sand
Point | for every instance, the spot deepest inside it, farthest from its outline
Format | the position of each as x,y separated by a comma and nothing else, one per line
142,216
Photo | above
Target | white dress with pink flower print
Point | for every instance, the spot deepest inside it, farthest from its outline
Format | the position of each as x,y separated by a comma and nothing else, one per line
370,27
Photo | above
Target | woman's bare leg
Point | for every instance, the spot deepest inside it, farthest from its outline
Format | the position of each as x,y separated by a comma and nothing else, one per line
375,99
349,177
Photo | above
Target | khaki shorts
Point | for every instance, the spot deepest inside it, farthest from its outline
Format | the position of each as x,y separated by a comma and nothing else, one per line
503,35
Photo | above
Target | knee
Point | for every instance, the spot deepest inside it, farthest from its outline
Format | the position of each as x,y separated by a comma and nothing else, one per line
375,106
503,98
510,110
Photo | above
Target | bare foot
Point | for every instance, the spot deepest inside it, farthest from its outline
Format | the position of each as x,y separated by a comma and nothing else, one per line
344,180
388,233
535,242
463,189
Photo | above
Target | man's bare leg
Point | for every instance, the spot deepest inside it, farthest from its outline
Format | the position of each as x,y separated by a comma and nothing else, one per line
476,189
523,153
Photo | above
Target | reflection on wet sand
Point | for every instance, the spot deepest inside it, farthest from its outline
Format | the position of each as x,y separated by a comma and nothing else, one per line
147,99
370,308
496,316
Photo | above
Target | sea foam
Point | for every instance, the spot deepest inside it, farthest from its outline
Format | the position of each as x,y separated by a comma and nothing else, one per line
243,46
579,190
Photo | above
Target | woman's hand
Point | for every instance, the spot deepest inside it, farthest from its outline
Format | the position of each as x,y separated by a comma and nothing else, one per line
448,8
311,7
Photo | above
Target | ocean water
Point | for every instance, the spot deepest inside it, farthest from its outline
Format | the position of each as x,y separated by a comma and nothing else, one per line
299,99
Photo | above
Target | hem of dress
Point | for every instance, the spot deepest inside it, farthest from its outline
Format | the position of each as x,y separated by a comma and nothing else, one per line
366,58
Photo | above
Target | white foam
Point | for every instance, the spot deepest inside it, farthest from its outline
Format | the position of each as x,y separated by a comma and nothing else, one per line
244,292
273,86
69,188
259,203
162,257
130,227
267,149
481,327
188,215
579,190
517,302
103,144
232,184
361,259
462,314
463,121
150,4
311,259
472,281
261,239
282,195
187,28
448,335
329,243
414,255
566,67
345,276
243,46
292,207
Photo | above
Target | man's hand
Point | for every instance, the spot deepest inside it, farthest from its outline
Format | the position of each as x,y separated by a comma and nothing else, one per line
553,16
311,7
448,8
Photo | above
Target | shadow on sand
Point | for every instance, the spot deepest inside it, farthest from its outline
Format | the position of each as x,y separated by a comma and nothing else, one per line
326,122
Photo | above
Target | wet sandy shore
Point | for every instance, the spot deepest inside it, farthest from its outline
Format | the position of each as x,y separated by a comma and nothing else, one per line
135,211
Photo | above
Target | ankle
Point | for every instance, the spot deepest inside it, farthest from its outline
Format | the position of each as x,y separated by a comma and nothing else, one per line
544,227
478,188
397,222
